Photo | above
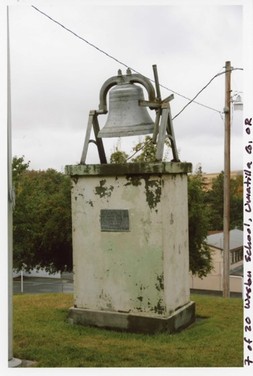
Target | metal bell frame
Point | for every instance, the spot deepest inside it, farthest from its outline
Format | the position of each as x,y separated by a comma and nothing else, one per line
162,108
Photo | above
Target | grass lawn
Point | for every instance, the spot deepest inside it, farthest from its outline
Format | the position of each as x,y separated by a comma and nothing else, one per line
42,334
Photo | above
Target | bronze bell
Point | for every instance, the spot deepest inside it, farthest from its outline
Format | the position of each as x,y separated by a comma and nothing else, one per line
126,117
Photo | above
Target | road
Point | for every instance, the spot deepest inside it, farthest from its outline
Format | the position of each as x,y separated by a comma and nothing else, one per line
36,285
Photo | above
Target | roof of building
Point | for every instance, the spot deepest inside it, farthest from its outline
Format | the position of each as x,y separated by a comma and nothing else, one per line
235,239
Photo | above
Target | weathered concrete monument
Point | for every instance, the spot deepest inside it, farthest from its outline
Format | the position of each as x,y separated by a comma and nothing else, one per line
130,225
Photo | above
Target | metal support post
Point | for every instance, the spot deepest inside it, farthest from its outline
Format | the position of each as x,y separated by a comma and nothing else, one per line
93,123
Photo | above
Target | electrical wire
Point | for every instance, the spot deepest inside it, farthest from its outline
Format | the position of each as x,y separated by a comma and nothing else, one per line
200,91
83,39
127,66
203,88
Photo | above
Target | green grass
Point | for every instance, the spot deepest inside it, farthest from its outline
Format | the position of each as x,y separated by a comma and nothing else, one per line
42,334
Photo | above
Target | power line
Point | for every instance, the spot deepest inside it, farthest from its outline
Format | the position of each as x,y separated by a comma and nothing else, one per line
127,66
115,59
83,39
200,91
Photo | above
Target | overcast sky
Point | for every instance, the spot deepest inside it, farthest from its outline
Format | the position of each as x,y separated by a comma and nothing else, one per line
56,77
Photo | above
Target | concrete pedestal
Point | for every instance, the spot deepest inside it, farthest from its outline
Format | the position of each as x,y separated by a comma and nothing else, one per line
130,246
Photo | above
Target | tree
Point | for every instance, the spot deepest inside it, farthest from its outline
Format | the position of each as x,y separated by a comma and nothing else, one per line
19,166
199,252
118,157
215,201
236,202
42,219
146,150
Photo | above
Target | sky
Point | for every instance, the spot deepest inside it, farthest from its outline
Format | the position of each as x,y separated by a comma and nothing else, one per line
56,77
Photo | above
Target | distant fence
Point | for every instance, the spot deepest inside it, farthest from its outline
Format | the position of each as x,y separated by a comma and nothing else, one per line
42,273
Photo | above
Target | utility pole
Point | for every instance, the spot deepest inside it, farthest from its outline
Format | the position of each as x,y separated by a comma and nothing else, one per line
226,209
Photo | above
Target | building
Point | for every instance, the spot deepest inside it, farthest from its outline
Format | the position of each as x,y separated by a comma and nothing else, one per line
210,177
214,280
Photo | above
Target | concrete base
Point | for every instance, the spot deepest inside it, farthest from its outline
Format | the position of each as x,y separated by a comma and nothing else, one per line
14,362
136,323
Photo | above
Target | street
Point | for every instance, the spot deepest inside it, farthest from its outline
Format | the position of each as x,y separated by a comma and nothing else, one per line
36,285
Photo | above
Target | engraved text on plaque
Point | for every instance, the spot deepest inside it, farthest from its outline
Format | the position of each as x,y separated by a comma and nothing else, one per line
114,220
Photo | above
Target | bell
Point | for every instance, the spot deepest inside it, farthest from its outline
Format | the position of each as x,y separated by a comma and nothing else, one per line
126,117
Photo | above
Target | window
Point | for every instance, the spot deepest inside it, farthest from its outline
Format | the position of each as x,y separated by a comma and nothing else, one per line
237,256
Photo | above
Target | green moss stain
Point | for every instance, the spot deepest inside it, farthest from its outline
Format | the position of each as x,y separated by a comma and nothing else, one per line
153,192
153,188
103,190
160,282
106,300
133,180
90,203
159,308
74,179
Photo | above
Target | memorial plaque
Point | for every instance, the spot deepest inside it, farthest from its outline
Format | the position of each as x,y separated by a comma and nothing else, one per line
114,220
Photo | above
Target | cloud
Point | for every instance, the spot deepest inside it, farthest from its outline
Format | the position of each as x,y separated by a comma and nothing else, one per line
56,77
